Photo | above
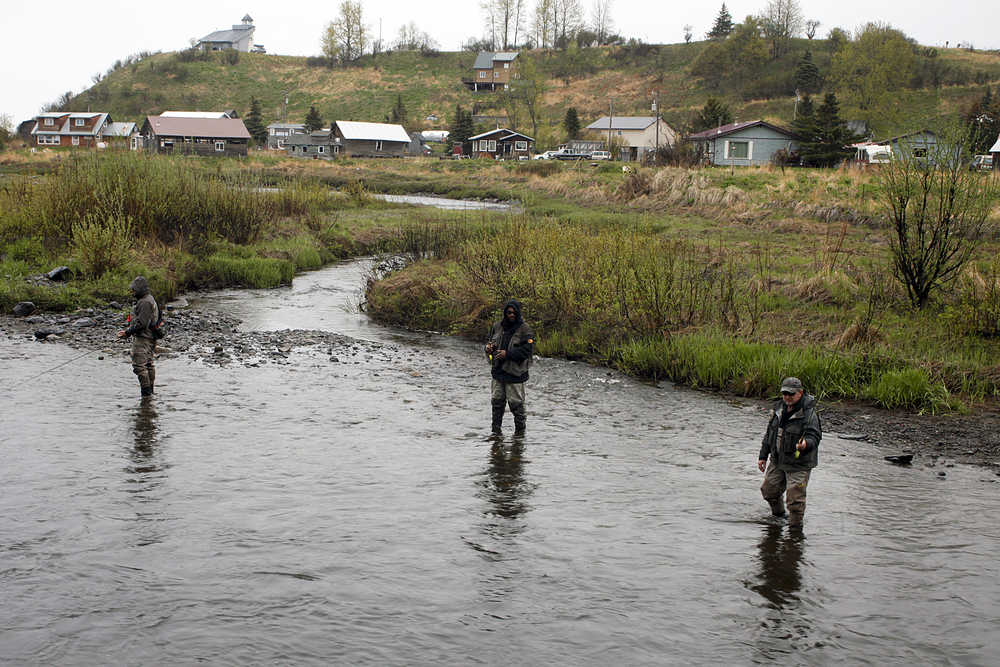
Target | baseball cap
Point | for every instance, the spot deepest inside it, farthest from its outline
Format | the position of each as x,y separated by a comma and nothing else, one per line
791,385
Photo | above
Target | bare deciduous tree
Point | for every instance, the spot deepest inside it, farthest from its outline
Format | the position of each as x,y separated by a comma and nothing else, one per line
412,38
601,20
811,26
505,20
781,20
543,24
688,33
938,210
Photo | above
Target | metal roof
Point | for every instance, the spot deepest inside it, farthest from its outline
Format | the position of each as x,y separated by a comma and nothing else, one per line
735,127
505,56
287,126
194,114
503,132
67,129
622,123
233,35
352,129
484,60
119,129
229,128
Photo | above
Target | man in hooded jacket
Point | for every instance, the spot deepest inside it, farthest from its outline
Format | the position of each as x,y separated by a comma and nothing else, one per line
790,450
510,349
145,315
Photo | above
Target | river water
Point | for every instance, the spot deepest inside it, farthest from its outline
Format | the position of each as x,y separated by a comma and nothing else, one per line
354,511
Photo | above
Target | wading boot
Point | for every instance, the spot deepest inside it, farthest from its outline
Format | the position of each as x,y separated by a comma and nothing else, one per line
498,409
145,391
777,508
520,419
152,381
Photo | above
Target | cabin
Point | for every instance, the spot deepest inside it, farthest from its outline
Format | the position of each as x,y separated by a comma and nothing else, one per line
196,136
637,137
239,38
502,144
360,139
123,135
313,145
278,134
64,128
744,144
492,71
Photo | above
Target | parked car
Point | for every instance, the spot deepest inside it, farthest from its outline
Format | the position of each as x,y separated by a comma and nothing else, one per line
600,155
547,155
981,163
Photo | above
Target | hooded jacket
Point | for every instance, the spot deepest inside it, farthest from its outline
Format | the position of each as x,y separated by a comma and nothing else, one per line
518,340
145,313
779,441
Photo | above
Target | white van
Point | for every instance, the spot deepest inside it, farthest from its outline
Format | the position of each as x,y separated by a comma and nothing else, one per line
600,155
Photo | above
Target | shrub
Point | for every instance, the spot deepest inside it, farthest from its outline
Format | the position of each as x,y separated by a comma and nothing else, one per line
251,272
102,245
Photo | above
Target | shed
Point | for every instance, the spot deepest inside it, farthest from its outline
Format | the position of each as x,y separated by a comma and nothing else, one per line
314,145
361,139
743,144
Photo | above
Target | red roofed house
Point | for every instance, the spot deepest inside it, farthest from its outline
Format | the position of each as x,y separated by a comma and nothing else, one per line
64,128
199,136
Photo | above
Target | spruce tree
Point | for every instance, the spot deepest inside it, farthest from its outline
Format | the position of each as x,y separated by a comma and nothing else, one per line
804,127
807,79
723,24
313,120
571,123
399,111
461,127
254,124
713,114
832,134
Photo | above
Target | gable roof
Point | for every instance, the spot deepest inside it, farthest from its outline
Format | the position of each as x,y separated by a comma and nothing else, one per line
235,34
906,136
484,60
119,129
196,114
503,134
622,123
67,128
732,128
358,130
221,128
505,56
996,146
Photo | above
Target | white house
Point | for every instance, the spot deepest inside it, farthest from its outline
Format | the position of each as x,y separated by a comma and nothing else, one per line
637,135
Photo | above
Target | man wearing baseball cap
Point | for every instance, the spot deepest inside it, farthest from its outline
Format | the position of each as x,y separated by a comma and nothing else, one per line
790,450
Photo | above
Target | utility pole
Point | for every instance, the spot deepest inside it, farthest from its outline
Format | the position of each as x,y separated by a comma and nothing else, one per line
656,110
611,119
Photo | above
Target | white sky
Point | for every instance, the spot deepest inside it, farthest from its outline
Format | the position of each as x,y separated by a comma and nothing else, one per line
50,48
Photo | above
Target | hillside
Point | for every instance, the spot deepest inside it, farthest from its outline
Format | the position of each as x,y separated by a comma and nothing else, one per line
431,84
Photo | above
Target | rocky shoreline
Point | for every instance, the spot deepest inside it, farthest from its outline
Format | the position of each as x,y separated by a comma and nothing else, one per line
935,440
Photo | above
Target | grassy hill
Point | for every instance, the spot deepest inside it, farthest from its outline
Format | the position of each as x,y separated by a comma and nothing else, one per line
587,79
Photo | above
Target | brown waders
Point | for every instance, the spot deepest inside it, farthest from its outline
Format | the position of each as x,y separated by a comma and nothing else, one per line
142,363
512,394
776,483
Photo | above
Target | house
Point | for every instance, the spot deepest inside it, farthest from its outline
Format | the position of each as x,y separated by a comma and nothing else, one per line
492,71
995,152
24,129
123,135
278,133
228,113
200,136
239,38
314,145
63,128
502,144
636,135
369,139
747,143
922,144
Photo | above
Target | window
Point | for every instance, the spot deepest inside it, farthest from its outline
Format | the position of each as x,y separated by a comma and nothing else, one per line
220,145
50,121
48,139
506,87
493,146
320,149
482,74
378,145
78,122
520,145
919,152
506,65
75,141
134,143
496,75
738,150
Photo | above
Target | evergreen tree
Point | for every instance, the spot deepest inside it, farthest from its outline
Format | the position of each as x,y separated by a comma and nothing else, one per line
832,134
571,123
807,79
723,24
461,127
313,120
399,111
254,124
804,127
983,121
713,114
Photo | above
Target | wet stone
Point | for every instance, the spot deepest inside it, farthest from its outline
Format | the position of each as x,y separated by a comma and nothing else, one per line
85,322
24,309
59,273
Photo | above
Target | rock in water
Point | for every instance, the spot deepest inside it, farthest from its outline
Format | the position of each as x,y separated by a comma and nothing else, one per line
85,322
24,309
42,334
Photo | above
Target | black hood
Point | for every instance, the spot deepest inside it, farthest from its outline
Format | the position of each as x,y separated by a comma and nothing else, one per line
139,287
516,305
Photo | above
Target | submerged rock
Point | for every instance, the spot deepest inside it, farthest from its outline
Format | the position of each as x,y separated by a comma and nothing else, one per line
42,334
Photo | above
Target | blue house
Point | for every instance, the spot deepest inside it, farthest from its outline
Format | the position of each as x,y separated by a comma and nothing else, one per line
744,144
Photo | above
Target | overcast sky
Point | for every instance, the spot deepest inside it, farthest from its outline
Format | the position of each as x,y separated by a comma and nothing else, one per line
54,47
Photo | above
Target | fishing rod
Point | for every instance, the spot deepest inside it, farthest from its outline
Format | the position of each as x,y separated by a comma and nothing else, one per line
49,370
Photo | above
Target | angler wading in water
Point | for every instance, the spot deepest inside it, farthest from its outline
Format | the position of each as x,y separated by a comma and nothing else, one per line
145,316
509,349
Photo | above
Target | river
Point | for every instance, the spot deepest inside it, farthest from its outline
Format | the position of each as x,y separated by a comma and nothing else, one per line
352,510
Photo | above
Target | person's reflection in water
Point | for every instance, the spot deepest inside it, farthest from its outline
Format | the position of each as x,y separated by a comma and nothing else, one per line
145,432
507,490
780,558
144,475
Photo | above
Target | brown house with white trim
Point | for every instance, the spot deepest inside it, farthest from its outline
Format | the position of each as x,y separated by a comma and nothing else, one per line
197,136
64,128
502,144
